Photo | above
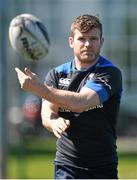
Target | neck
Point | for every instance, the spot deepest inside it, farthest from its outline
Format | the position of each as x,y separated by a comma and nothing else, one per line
84,65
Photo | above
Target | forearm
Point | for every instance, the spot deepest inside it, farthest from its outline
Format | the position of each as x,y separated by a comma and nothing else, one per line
47,120
73,101
64,99
51,120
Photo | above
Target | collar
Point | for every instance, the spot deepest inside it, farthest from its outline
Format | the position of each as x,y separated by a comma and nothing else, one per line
86,69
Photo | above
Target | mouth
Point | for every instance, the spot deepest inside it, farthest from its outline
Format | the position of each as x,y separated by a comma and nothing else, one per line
87,52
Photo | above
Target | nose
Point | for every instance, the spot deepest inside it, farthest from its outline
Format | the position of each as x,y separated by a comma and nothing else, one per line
87,43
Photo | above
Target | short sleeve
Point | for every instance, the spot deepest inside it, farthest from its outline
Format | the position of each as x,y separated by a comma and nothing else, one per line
106,82
51,78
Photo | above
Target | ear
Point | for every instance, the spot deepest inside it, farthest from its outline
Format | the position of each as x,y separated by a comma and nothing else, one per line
71,41
102,41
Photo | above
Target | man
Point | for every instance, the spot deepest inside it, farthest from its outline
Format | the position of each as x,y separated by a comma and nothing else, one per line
81,101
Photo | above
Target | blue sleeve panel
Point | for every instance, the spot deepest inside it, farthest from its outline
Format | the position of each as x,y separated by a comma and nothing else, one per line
100,90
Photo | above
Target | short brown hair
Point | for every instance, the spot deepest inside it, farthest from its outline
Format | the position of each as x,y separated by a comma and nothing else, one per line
85,23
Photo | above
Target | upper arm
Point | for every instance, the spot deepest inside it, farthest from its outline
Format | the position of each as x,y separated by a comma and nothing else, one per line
106,83
89,98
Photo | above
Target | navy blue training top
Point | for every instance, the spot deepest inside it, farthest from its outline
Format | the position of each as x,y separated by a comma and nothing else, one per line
90,141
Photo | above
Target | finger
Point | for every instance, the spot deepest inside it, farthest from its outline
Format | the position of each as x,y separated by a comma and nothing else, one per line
19,72
59,129
64,124
29,72
67,122
57,133
21,76
61,124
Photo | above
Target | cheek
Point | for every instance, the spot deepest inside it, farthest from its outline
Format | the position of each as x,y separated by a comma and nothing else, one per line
97,45
77,51
76,46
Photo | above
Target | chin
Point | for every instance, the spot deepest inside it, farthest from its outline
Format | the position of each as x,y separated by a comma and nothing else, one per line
89,59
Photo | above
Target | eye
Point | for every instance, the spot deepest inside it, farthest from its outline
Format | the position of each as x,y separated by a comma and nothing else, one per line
81,38
94,38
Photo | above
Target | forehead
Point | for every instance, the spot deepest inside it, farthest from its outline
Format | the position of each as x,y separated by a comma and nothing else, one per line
92,32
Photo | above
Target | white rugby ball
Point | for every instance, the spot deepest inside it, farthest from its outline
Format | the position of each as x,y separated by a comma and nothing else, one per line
28,36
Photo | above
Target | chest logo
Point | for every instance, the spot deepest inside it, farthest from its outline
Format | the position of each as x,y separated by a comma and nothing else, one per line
64,82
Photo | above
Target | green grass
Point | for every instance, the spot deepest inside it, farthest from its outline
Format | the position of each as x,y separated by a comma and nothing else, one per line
37,162
41,166
127,165
34,166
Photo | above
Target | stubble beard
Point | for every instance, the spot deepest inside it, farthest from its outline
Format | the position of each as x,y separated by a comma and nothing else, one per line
91,59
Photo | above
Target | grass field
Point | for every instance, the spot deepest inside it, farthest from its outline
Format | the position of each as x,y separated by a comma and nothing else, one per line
38,164
34,167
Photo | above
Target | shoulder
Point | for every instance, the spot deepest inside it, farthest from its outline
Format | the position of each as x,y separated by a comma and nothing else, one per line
64,68
58,71
105,64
